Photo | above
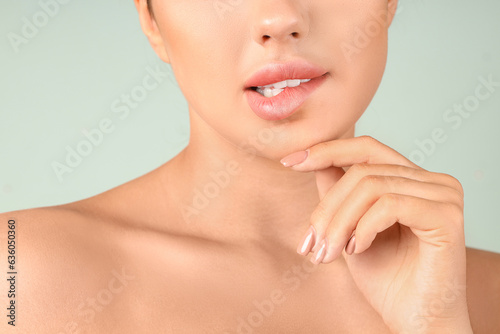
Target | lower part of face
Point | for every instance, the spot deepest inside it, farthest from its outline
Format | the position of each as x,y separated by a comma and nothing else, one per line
214,47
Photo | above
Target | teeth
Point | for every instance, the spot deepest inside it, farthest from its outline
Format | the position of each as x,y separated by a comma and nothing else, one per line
276,88
268,92
278,85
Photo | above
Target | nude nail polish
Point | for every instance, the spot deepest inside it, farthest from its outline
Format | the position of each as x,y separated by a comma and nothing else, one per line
320,253
294,158
305,245
351,244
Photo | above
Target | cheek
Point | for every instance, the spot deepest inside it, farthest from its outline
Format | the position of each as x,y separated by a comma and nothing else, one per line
362,51
197,44
359,57
357,48
205,53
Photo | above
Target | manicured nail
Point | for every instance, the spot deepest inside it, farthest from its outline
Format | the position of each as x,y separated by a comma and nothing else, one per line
294,158
320,253
307,241
351,244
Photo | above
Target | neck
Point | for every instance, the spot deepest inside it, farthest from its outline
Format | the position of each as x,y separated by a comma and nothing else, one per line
226,194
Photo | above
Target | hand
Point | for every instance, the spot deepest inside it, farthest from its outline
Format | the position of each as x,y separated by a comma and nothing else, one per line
407,251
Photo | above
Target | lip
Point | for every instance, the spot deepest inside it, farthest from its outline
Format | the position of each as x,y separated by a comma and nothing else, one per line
289,101
277,72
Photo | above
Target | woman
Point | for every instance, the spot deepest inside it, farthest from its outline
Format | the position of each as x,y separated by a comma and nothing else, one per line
274,219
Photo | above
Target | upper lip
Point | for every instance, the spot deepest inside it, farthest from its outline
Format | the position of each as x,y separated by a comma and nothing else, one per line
277,72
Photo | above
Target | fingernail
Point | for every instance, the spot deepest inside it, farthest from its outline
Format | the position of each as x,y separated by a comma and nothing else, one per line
307,241
351,244
295,158
320,253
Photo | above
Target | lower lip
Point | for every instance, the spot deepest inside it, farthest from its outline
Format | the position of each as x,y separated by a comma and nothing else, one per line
284,104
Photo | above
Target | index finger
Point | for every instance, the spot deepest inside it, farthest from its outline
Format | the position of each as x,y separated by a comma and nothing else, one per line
347,152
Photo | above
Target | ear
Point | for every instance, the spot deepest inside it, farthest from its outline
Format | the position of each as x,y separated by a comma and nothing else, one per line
150,29
392,7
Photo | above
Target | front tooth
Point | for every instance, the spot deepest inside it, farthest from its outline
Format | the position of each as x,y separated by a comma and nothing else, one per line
277,85
281,84
293,83
268,92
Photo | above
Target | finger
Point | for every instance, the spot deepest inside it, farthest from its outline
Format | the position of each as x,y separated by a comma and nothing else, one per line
367,192
332,200
327,178
347,152
435,223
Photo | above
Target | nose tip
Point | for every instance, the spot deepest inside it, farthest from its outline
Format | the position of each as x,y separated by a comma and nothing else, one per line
279,21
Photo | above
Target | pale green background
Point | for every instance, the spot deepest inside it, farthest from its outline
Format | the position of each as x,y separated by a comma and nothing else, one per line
67,76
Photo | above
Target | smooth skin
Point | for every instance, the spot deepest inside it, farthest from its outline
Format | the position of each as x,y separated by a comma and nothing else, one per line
212,240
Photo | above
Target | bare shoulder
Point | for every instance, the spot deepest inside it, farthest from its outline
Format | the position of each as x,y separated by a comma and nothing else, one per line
53,258
78,265
483,290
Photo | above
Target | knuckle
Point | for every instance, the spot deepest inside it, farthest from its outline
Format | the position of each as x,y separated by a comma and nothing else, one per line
320,147
455,213
388,200
371,181
358,170
456,197
408,172
370,145
369,140
456,184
